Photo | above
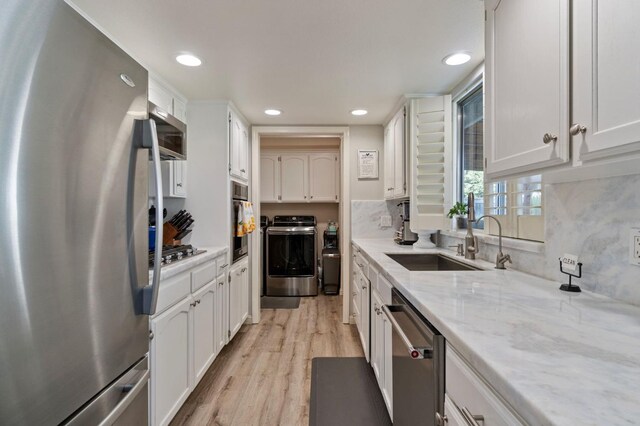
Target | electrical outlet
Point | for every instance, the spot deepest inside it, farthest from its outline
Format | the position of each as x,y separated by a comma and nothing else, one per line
385,221
634,245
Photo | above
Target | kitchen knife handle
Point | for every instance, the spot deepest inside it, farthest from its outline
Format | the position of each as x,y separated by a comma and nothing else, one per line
150,141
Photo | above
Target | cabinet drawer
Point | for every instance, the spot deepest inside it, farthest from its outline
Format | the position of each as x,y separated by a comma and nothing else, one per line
223,264
173,290
203,274
468,391
362,263
384,289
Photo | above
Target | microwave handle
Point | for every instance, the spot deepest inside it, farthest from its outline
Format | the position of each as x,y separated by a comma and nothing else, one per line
150,141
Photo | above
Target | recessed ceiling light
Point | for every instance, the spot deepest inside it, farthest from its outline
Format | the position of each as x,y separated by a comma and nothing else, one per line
359,112
189,60
272,111
457,58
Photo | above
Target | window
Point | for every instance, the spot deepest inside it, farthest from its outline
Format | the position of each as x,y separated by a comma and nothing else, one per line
471,134
517,203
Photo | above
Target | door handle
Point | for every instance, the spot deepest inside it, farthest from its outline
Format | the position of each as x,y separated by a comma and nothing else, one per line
416,352
131,394
146,129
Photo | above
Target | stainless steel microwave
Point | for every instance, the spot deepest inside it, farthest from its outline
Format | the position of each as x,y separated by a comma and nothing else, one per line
172,134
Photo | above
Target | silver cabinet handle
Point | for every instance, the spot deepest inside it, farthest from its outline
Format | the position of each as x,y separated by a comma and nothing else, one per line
577,129
416,352
147,129
198,301
354,293
224,266
364,287
179,185
193,304
311,197
390,189
151,335
548,138
472,419
243,270
243,170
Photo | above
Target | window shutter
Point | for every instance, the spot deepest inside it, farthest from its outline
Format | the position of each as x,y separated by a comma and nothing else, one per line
432,127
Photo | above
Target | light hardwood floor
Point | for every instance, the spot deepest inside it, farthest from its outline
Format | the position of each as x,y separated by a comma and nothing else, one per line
263,376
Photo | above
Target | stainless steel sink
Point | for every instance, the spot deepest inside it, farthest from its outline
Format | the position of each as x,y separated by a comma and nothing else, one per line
430,262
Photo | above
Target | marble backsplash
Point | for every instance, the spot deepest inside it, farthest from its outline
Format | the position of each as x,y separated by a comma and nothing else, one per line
592,219
365,218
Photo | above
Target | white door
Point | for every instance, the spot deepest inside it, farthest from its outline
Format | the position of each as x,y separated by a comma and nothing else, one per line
204,333
219,314
606,77
180,109
389,162
179,178
160,96
377,339
269,178
323,182
294,177
239,280
399,179
244,298
170,356
526,85
235,142
364,314
244,152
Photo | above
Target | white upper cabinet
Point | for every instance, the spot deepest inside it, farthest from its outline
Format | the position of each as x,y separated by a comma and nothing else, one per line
395,167
238,148
294,177
269,178
526,85
167,100
606,77
324,177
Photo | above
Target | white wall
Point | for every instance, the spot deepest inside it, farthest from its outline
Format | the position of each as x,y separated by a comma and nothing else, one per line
366,137
208,189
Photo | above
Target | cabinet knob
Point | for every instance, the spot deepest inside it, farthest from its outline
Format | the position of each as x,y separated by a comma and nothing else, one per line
441,420
311,197
577,129
548,138
151,335
305,197
243,170
354,293
390,189
179,185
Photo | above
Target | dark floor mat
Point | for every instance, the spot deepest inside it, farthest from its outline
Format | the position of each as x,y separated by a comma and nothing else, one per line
344,391
275,302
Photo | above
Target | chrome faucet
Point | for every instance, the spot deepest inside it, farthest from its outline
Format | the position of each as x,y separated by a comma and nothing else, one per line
470,241
501,258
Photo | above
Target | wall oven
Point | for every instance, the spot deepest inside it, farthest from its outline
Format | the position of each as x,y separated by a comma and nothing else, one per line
240,245
292,264
172,134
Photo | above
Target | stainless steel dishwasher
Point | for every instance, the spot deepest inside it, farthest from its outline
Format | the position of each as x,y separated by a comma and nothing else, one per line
418,365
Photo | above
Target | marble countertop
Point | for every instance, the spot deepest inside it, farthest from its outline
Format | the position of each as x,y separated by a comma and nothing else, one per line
557,358
173,269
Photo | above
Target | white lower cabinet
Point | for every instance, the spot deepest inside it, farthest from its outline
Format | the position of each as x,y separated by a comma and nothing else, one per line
220,313
238,296
470,396
381,350
171,355
204,341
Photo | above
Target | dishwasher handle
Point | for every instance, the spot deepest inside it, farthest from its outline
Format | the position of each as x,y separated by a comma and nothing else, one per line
416,352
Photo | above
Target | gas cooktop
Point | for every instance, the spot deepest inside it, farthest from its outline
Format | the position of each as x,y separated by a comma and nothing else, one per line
172,254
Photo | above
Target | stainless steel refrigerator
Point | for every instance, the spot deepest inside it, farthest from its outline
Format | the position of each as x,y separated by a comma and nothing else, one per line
74,293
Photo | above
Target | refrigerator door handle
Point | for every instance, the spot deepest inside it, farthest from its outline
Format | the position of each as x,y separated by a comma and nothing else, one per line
132,392
149,140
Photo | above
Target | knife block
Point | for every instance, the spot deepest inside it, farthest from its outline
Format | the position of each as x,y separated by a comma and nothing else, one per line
168,232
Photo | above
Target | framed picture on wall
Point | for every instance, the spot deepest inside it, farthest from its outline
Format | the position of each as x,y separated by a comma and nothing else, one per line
367,164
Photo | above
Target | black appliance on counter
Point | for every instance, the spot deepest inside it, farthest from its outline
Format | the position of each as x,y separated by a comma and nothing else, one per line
292,263
240,245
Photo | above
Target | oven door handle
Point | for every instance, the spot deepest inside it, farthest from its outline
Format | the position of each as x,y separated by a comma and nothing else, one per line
415,351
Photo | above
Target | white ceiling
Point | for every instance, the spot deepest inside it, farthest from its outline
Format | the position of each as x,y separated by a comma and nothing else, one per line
314,59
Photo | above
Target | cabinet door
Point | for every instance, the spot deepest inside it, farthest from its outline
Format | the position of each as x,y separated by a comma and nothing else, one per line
453,414
219,314
399,177
237,311
526,85
235,149
179,179
170,361
389,162
269,178
244,152
387,390
160,96
294,177
606,82
323,179
377,339
364,315
204,339
244,296
180,109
